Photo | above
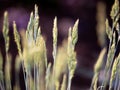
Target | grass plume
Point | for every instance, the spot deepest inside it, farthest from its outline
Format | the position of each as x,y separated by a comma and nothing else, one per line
39,74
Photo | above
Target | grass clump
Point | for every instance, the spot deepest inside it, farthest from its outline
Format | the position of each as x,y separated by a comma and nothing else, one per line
112,64
39,74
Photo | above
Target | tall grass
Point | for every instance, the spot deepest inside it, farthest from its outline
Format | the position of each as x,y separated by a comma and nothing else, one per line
39,74
111,70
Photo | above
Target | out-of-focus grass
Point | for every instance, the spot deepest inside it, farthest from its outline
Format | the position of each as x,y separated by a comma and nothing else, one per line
111,70
39,74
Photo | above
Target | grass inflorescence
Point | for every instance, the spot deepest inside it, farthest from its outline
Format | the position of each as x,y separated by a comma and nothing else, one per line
111,70
39,74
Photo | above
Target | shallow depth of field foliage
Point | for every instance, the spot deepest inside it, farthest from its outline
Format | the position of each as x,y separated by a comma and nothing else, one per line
39,74
111,73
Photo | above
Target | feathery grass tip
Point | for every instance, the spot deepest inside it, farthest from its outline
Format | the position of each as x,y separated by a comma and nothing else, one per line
75,32
6,31
17,39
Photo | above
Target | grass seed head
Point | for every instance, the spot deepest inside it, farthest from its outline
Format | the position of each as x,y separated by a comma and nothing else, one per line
36,22
6,30
72,63
108,29
17,39
29,31
55,31
55,35
115,9
110,55
75,33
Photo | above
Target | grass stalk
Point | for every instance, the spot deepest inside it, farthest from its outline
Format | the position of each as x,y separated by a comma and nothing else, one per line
6,38
115,17
63,86
54,53
72,62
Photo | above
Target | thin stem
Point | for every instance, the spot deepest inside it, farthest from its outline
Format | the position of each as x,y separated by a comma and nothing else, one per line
25,76
69,82
93,80
54,64
116,82
8,82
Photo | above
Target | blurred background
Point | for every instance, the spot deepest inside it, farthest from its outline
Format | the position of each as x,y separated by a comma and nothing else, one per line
91,15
